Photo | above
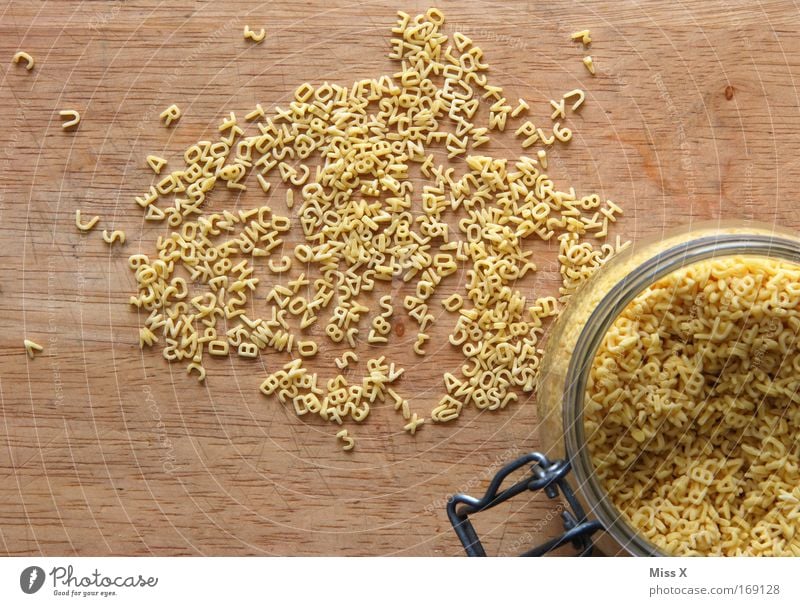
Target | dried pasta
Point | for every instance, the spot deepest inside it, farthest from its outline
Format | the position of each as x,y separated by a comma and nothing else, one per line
559,109
116,235
32,348
575,93
170,115
256,37
22,55
522,106
73,116
542,156
691,404
345,359
413,424
347,158
348,442
584,36
156,163
85,226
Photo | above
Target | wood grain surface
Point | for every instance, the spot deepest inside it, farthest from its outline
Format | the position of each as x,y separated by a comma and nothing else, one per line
106,449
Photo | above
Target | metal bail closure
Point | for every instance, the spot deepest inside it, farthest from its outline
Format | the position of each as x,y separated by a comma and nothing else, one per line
545,474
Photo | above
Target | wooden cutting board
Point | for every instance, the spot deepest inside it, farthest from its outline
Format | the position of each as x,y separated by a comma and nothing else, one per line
106,449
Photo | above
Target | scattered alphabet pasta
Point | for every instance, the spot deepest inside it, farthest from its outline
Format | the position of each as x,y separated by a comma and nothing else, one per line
351,158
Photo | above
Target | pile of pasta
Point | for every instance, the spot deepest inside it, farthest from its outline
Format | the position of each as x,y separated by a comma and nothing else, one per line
692,409
384,180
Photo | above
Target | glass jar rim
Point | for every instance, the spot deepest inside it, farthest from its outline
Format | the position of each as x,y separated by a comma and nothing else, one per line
758,242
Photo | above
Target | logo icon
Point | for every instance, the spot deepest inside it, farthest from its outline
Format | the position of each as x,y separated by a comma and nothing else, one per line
31,579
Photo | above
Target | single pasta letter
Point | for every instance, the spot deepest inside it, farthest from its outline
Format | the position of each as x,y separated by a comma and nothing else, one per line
171,114
29,62
254,36
74,118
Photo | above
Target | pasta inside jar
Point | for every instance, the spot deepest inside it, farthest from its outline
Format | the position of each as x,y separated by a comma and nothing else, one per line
692,405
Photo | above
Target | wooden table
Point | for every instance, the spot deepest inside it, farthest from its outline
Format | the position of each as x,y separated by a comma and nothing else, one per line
106,449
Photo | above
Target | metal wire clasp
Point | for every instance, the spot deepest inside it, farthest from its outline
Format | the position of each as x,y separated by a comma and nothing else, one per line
544,474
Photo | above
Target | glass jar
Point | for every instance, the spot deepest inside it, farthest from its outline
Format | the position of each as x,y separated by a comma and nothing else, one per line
564,468
579,331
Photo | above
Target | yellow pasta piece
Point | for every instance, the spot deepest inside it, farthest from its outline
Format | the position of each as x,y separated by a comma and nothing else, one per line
544,138
589,63
542,156
453,303
116,235
345,359
29,62
583,36
154,214
575,93
522,106
307,348
170,115
265,185
32,348
73,118
413,424
198,368
146,337
421,338
254,36
247,350
258,112
278,268
88,225
156,163
348,442
559,109
218,348
563,134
